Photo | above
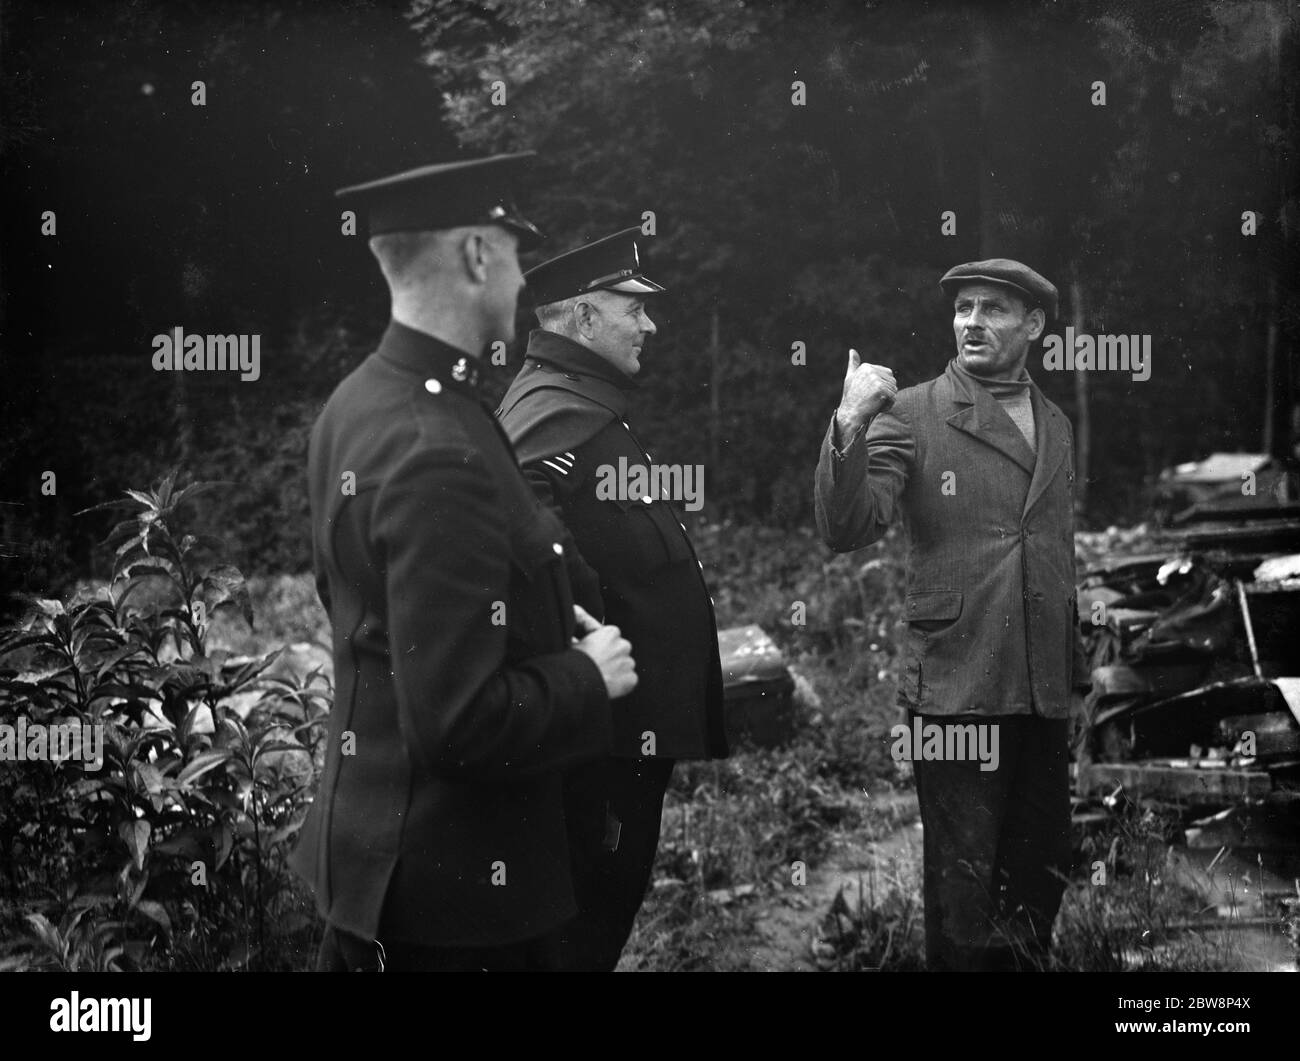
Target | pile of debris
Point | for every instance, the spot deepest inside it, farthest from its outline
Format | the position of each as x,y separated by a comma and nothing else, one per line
1193,634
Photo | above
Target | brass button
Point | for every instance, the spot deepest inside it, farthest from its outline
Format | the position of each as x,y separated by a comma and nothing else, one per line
433,386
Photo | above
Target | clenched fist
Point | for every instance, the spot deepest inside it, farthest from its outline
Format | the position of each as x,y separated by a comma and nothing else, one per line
867,390
610,651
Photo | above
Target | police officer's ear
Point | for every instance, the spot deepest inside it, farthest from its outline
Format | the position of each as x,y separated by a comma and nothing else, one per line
584,318
475,255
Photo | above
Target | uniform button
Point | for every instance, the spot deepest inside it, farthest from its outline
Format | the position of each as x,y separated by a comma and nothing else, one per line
433,386
559,549
647,499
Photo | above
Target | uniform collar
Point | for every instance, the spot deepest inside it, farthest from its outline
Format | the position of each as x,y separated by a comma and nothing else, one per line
422,354
573,358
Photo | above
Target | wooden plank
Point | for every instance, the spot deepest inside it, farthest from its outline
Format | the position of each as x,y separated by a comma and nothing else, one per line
1191,784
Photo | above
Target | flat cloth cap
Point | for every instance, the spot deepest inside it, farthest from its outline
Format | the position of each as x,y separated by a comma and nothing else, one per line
473,191
609,264
1037,289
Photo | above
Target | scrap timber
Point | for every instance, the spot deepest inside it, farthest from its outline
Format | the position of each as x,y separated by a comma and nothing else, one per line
1193,635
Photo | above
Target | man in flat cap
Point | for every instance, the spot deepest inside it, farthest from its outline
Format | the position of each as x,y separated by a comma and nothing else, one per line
567,414
978,464
463,687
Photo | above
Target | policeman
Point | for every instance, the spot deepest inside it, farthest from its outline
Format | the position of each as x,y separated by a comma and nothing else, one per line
436,840
567,414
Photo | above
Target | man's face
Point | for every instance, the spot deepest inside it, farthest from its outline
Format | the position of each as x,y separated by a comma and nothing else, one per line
505,284
620,328
993,328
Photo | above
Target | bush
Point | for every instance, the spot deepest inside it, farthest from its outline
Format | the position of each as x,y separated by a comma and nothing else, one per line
170,854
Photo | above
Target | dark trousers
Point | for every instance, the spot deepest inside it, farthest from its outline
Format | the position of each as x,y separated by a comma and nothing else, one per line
997,846
342,952
612,810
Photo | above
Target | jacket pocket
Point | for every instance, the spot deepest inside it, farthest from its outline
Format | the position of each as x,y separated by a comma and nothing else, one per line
635,538
932,606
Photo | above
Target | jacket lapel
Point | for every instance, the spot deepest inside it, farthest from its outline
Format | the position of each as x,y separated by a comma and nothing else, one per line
1051,434
980,416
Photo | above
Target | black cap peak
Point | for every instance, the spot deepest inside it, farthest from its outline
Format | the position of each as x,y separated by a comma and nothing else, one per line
609,264
472,191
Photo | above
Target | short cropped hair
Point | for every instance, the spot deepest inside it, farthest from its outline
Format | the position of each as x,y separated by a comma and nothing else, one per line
558,316
399,253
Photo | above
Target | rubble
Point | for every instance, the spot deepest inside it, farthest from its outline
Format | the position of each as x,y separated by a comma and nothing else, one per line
1192,631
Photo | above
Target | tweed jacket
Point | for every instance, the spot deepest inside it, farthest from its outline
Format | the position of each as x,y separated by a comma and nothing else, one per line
990,610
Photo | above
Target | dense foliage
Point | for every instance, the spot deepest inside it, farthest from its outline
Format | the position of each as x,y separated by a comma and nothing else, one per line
170,852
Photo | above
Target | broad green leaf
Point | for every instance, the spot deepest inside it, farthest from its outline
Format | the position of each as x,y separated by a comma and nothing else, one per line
202,764
135,834
156,913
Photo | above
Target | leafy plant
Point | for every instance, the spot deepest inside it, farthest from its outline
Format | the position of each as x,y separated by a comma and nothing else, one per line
172,852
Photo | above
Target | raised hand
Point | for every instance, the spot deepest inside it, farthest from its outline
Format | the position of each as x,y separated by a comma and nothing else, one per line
867,390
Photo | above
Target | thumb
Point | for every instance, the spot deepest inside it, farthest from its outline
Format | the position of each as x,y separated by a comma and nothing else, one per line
586,623
854,361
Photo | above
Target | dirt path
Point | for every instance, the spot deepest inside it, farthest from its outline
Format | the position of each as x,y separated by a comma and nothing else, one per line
787,924
787,927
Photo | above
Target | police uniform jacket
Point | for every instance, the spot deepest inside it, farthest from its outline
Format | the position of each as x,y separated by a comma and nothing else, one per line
459,699
990,608
566,414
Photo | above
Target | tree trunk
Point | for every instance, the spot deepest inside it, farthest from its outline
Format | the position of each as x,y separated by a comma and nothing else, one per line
181,412
1083,412
715,400
988,218
1272,440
